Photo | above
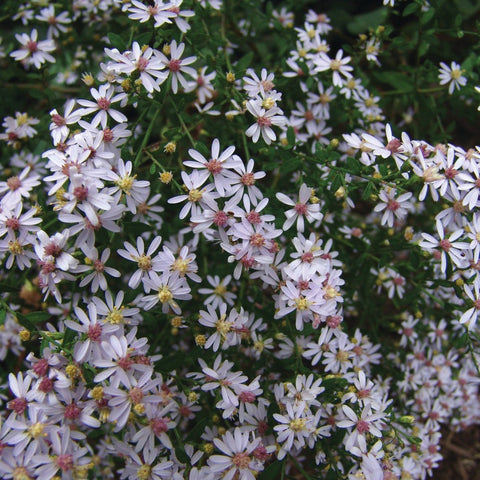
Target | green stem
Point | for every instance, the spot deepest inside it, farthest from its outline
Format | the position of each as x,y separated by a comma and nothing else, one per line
161,167
182,123
146,137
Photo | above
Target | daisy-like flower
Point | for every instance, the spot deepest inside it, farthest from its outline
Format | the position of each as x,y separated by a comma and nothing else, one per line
442,247
218,294
367,422
58,128
32,51
470,317
197,196
113,310
237,460
452,76
174,7
56,23
104,97
302,208
135,191
242,180
94,331
145,61
264,121
159,11
339,66
170,287
393,206
178,66
293,428
215,165
146,264
255,85
13,222
97,268
14,188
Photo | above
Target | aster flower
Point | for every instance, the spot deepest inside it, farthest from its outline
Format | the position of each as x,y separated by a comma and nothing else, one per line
178,66
32,51
237,459
311,211
264,121
15,187
218,294
338,65
393,206
56,23
451,75
104,97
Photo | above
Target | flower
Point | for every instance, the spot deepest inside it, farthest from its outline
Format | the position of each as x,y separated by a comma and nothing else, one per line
301,209
264,121
393,206
452,76
177,65
104,97
237,460
34,52
338,65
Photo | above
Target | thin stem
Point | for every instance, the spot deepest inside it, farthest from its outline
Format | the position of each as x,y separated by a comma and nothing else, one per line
161,167
146,137
182,123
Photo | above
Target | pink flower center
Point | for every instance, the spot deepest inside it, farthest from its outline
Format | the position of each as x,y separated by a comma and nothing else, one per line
14,183
136,395
18,405
393,205
174,10
364,393
301,208
142,64
107,135
52,249
46,385
241,460
408,332
248,179
362,426
398,281
247,397
257,240
220,219
32,46
41,367
476,304
247,261
334,321
174,65
307,257
65,462
159,425
125,362
12,223
80,193
260,453
445,245
267,85
94,332
264,121
450,172
98,265
58,120
72,412
184,411
393,145
103,103
214,167
253,217
308,115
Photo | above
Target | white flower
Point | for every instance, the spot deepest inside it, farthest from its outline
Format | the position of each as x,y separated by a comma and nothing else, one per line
452,76
34,52
264,121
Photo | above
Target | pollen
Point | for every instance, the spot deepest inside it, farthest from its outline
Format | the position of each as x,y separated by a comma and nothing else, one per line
37,430
126,183
268,103
194,195
73,371
165,294
302,303
200,340
144,262
143,473
297,424
15,247
166,177
220,290
115,317
97,393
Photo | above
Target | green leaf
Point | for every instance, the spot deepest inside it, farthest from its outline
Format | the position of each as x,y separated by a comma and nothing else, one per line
38,317
291,136
116,41
427,16
397,80
411,8
272,472
3,314
244,62
25,322
364,22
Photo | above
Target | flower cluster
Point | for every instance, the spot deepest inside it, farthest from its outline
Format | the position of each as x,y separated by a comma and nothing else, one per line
188,294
